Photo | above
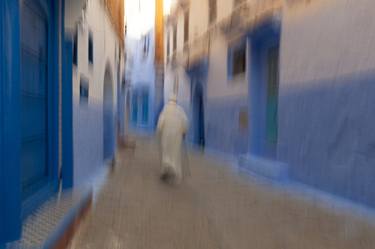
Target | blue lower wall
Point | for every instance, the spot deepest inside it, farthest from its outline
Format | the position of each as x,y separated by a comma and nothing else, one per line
222,129
87,139
327,135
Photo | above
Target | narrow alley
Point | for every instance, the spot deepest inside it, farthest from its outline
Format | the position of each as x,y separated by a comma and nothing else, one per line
215,208
266,106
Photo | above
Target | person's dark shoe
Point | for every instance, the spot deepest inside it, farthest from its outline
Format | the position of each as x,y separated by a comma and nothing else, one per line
164,177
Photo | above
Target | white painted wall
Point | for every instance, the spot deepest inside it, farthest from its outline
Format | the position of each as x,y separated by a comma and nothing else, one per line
88,119
218,84
345,45
198,21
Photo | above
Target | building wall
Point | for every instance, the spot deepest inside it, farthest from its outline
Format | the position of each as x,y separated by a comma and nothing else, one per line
116,13
88,117
225,99
141,73
326,94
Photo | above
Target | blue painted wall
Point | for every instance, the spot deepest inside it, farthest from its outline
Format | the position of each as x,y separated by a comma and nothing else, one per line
88,148
223,131
327,134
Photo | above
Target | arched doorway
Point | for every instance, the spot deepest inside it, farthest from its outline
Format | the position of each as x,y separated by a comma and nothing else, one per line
198,115
108,116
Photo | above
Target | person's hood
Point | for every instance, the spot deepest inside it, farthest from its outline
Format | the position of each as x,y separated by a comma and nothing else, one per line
173,98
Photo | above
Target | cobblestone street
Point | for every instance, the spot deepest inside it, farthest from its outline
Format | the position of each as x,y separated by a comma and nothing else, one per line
215,208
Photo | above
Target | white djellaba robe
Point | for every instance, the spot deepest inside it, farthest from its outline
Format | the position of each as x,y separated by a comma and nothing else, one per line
172,126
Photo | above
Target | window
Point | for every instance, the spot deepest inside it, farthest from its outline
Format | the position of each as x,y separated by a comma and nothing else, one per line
91,48
212,11
146,44
174,37
237,60
83,90
75,48
186,26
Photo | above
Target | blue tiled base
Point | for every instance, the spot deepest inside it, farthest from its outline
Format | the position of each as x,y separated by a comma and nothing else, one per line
44,227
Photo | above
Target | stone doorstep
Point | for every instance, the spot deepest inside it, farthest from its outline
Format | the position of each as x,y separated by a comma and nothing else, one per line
264,167
52,226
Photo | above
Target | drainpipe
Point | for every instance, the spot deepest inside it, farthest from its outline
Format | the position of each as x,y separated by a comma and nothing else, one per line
60,29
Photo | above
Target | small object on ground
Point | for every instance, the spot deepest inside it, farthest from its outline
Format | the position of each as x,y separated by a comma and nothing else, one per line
164,177
128,142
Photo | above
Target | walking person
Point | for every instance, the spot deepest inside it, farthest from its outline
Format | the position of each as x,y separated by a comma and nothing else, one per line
171,130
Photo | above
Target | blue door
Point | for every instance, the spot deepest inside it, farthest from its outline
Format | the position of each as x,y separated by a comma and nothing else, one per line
198,112
145,107
34,97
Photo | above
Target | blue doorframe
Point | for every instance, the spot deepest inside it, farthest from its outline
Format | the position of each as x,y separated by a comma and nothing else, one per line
67,172
262,38
12,208
51,10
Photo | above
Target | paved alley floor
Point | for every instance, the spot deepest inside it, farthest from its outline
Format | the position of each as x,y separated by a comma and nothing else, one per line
213,209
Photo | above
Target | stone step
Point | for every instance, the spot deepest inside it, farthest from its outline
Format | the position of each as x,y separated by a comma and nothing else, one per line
264,167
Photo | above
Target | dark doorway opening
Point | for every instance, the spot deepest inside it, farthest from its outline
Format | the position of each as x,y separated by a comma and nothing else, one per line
198,115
